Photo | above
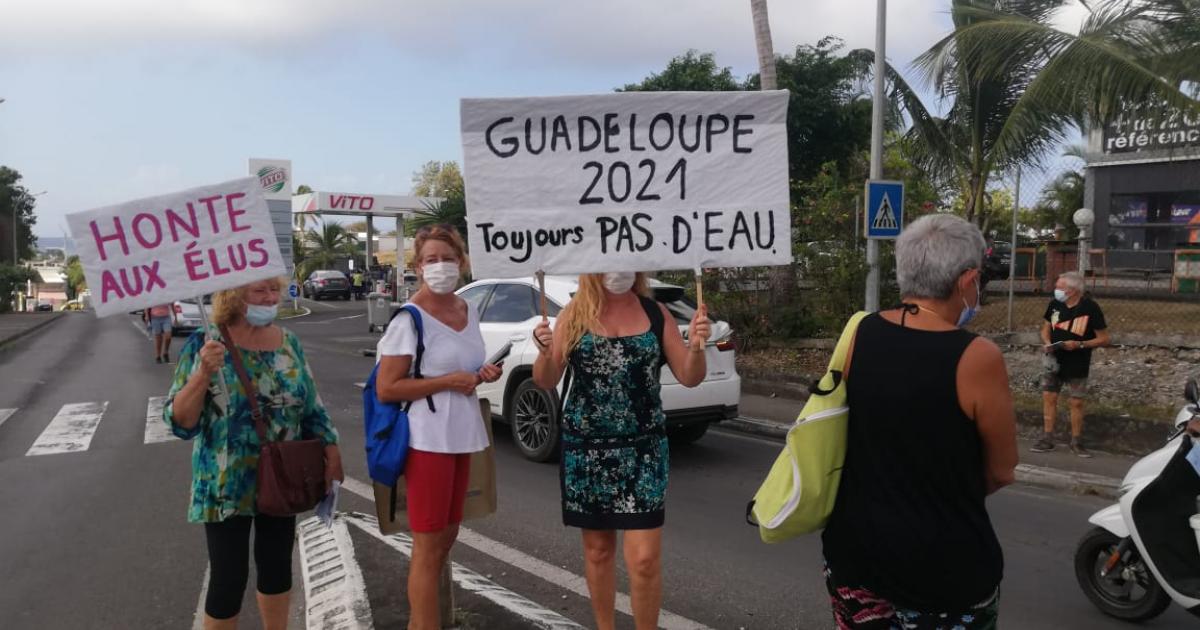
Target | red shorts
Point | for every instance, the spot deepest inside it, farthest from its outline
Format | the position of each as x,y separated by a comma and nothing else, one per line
437,489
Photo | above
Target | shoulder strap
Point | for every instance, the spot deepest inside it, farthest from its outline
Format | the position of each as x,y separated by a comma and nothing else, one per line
419,325
260,424
835,373
657,325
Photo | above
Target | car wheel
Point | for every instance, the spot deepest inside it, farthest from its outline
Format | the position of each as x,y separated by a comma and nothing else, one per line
687,433
533,415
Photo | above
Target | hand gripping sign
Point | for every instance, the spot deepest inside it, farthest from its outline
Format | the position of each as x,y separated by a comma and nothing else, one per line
161,249
634,181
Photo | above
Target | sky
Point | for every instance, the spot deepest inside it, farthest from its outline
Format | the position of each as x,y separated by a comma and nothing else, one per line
111,101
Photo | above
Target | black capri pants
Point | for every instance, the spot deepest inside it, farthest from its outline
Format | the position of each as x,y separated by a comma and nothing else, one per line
229,560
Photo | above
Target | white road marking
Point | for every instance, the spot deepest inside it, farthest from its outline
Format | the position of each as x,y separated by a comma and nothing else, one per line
141,327
537,615
70,430
307,311
198,618
5,414
349,317
321,304
335,595
157,430
539,568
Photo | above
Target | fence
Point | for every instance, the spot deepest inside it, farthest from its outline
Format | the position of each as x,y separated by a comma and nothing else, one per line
1140,262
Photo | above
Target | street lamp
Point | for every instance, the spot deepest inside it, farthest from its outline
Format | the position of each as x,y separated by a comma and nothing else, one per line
1084,218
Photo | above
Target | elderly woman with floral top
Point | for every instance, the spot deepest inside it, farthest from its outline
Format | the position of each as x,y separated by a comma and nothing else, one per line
225,455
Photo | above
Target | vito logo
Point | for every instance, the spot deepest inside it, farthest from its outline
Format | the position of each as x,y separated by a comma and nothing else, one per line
272,178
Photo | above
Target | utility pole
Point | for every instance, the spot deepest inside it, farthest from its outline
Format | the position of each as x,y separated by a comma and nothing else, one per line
877,109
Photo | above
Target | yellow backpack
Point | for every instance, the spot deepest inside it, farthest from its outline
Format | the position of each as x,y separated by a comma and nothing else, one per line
798,494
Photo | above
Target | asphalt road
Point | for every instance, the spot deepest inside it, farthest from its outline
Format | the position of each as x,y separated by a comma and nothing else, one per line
98,538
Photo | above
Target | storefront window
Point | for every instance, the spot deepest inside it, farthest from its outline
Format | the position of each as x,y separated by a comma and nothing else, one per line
1159,221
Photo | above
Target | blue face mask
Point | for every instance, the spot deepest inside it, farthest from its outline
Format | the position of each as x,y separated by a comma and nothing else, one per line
969,312
261,315
1060,295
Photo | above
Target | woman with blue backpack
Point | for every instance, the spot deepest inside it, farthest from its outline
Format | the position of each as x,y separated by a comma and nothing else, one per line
614,461
444,420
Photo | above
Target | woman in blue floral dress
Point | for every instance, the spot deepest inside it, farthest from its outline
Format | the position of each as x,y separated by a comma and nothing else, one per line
226,445
615,459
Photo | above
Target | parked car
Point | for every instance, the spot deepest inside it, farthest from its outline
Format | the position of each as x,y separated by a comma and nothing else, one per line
187,316
509,310
73,305
44,305
326,283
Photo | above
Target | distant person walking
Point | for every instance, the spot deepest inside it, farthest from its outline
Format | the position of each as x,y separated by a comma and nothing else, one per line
614,460
445,421
931,434
226,447
161,320
1074,327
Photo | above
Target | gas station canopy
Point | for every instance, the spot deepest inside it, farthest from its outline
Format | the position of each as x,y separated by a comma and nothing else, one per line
361,205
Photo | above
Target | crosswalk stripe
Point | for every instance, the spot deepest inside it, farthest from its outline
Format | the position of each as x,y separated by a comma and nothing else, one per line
335,595
5,414
156,430
71,430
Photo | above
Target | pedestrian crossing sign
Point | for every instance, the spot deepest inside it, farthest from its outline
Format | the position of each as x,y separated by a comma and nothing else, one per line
885,209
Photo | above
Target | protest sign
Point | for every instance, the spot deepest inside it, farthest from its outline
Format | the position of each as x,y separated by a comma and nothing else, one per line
161,249
633,181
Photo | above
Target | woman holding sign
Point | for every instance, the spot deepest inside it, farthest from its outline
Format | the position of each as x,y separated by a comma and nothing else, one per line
615,459
444,432
225,455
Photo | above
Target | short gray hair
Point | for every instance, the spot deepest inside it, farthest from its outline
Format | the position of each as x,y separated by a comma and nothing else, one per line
933,251
1074,280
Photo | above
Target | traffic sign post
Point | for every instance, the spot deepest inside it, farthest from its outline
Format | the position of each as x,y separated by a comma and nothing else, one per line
884,209
294,293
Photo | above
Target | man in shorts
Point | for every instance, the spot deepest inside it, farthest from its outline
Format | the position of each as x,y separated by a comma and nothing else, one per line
1074,327
161,320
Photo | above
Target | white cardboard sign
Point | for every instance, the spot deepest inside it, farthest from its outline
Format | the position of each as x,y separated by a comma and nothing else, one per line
161,249
632,181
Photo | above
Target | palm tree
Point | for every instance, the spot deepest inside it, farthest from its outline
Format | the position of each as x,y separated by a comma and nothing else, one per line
451,210
1017,86
324,247
300,220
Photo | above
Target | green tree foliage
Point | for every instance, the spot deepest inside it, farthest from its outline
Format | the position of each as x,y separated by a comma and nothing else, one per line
451,210
76,282
325,246
15,197
12,280
301,221
690,72
1017,86
437,179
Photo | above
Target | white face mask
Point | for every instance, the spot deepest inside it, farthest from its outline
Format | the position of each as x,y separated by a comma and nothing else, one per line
441,278
620,282
1060,295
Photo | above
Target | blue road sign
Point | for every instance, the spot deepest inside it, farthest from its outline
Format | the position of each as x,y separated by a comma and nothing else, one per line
885,209
293,290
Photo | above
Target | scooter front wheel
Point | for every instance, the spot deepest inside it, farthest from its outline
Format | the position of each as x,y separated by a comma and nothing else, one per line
1128,592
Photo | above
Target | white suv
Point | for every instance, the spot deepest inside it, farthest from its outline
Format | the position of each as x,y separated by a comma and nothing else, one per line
509,310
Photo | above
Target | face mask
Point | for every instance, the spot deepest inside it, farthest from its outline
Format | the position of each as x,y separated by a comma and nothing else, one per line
620,282
261,315
1060,295
441,278
969,312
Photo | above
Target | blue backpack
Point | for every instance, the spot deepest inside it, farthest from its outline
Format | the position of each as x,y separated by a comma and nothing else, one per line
386,424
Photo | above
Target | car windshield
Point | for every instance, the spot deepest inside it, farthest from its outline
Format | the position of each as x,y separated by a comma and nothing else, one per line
207,300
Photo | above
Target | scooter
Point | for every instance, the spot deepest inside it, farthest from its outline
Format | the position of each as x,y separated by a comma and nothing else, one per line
1144,552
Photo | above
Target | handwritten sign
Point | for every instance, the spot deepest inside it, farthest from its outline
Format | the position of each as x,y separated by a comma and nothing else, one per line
634,181
161,249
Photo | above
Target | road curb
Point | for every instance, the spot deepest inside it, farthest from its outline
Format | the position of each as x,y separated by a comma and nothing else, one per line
306,313
1028,474
29,331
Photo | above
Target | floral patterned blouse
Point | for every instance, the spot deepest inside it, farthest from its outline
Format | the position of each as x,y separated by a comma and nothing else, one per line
225,451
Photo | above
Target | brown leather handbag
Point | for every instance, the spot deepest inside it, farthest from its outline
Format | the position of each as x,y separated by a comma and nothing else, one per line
291,473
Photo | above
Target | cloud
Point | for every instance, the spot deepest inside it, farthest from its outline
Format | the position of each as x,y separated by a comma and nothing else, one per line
533,32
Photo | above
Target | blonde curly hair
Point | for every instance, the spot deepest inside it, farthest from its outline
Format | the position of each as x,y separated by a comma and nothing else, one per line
230,305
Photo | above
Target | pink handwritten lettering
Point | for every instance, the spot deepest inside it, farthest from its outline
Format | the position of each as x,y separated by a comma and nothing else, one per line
119,236
139,233
256,246
234,213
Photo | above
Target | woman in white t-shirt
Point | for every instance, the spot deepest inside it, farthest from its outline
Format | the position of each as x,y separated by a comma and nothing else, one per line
445,422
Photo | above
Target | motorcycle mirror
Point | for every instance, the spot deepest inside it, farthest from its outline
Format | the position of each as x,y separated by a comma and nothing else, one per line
1191,392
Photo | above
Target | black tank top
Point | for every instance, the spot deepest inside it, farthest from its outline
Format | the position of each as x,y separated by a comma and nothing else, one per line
910,522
